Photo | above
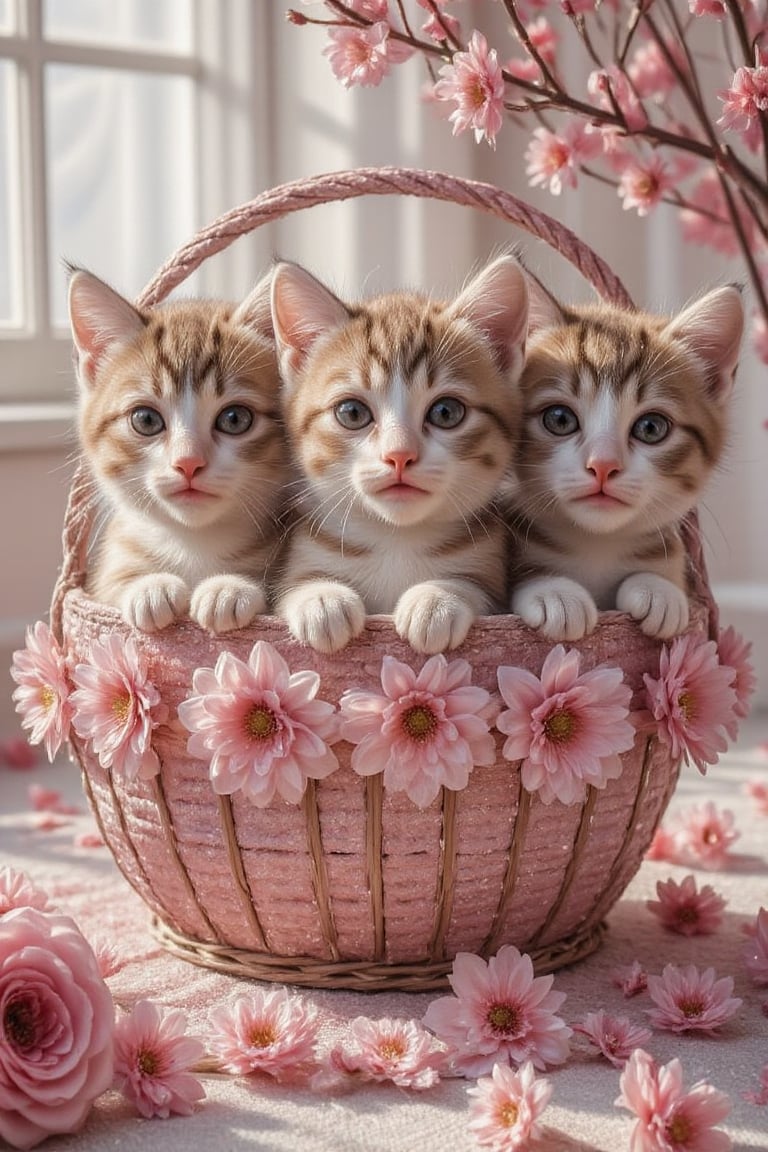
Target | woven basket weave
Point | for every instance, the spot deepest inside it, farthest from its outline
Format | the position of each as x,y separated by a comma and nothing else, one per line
356,887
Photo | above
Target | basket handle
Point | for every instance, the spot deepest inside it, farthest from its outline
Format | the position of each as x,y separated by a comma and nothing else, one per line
293,197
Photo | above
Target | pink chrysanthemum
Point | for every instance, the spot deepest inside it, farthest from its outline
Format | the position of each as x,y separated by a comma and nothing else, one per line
427,731
758,791
669,1119
734,652
42,696
568,729
693,701
266,1031
703,835
505,1107
260,726
756,952
397,1050
688,1000
474,80
631,978
153,1057
683,908
615,1036
18,891
553,159
117,708
643,184
500,1012
364,56
746,99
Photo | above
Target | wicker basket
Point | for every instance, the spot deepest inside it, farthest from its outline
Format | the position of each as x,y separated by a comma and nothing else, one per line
356,887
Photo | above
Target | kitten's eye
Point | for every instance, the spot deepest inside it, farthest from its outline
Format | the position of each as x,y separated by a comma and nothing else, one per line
560,420
234,420
147,421
353,414
651,428
446,413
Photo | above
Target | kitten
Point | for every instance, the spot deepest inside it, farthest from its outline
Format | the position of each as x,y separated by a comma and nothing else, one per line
179,419
401,412
624,421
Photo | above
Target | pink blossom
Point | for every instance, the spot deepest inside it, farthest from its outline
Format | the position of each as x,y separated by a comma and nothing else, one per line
50,800
117,708
18,891
758,790
669,1119
474,80
437,26
505,1107
663,846
734,652
554,159
42,695
364,55
500,1012
615,1036
611,88
16,753
57,1022
153,1058
707,219
260,726
397,1050
688,1000
746,99
650,72
756,953
568,729
683,908
693,701
644,184
703,835
88,840
428,729
716,8
632,978
107,957
266,1031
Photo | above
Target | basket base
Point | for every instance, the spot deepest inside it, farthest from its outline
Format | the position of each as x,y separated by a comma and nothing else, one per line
355,975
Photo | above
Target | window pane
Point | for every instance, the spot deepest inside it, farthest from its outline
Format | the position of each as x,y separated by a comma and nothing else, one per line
10,225
6,16
159,24
121,174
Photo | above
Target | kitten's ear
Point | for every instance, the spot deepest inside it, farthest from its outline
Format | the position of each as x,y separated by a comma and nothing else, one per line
255,311
100,317
302,310
712,329
544,311
496,302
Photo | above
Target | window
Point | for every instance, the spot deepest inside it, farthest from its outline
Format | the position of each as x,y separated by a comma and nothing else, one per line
124,127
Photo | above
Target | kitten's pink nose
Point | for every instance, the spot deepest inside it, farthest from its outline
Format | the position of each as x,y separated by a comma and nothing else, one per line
603,469
189,465
399,458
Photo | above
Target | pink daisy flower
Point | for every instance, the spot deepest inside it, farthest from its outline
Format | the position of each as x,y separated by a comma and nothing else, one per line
643,184
426,732
117,708
267,1030
631,978
615,1036
505,1107
364,56
611,88
683,908
397,1050
474,80
756,953
42,695
703,835
568,729
260,726
734,652
758,791
688,1000
693,701
153,1057
553,159
18,891
500,1012
668,1118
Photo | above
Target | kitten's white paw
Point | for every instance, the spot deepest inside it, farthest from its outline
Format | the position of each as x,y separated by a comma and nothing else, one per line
658,605
325,615
222,603
432,619
154,602
558,607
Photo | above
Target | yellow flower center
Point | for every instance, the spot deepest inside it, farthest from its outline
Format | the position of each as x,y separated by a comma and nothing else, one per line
504,1019
262,1037
679,1130
507,1114
419,722
147,1062
710,836
48,697
392,1049
121,707
686,702
560,726
261,723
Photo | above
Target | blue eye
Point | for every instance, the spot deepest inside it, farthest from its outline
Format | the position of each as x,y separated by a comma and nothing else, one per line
446,413
353,414
147,421
234,420
651,428
560,420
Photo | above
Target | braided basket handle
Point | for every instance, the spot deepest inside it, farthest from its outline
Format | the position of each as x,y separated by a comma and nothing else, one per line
306,193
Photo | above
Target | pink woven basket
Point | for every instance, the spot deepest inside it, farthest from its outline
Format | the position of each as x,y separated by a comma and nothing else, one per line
356,887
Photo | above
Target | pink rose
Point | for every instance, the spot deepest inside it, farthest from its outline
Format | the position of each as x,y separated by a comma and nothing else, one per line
56,1027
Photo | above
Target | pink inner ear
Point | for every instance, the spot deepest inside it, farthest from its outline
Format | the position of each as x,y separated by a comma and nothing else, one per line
99,317
302,310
